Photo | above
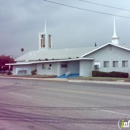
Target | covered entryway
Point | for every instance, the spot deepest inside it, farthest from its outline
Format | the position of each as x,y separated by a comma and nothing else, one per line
68,69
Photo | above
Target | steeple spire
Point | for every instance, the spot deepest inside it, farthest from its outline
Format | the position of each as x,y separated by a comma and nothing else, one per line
114,29
115,38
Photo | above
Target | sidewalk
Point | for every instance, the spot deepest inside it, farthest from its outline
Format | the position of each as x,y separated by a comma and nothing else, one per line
100,82
72,80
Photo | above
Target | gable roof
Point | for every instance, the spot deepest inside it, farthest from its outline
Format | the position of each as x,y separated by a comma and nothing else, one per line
122,47
55,54
59,54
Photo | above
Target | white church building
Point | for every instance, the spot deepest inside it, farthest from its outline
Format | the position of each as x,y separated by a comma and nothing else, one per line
74,61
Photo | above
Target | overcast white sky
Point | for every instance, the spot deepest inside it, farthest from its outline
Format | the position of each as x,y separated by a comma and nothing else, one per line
22,20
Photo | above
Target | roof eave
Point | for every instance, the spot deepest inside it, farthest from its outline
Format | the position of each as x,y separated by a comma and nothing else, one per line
37,62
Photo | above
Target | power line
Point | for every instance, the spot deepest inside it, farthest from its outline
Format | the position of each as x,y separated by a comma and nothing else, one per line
84,9
104,5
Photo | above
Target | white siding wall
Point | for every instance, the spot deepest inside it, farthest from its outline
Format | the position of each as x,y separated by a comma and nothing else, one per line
29,68
116,54
86,68
73,67
56,69
46,70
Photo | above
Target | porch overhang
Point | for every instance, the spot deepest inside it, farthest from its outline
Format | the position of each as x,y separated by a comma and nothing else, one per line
48,61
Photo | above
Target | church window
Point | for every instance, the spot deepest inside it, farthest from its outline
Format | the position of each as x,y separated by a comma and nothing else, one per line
115,63
42,41
125,63
43,66
63,65
42,36
49,41
106,63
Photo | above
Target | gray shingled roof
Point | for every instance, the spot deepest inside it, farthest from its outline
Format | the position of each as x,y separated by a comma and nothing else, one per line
55,54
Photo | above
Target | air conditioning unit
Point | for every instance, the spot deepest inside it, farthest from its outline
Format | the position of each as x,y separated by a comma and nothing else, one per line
96,66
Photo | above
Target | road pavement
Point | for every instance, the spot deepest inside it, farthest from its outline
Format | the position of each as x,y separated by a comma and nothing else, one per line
49,105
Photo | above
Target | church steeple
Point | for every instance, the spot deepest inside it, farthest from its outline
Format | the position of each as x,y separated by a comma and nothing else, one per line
115,38
45,41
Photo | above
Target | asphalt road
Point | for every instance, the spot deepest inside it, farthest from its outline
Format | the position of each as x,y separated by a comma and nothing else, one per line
50,105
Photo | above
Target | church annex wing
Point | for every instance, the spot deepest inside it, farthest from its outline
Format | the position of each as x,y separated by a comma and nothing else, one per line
97,49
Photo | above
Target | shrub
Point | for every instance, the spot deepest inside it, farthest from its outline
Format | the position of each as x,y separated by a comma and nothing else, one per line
9,72
34,72
110,74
